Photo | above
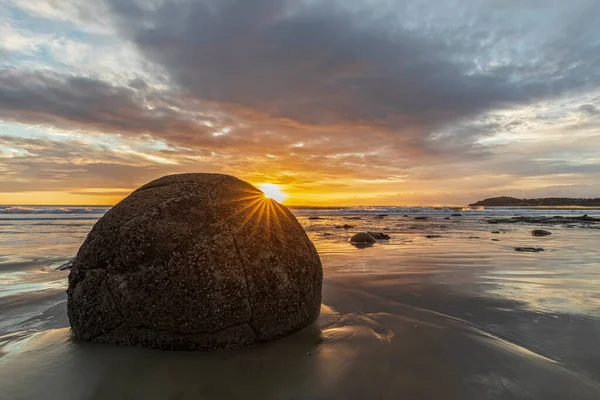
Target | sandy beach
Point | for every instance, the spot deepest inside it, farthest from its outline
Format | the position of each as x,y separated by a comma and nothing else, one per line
445,309
299,199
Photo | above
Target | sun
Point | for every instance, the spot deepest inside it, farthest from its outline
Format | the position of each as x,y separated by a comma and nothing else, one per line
273,191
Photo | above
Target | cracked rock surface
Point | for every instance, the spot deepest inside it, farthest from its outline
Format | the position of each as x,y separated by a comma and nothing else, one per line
194,262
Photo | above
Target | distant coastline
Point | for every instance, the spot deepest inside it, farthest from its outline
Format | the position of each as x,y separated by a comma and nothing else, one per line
506,201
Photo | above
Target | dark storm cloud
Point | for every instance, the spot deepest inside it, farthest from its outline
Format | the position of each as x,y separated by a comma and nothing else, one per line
68,101
320,62
263,65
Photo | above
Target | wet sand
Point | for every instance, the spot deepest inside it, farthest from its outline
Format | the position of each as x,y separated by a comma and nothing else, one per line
453,317
363,346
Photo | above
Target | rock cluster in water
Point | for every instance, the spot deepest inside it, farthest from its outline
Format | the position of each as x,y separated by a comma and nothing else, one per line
194,262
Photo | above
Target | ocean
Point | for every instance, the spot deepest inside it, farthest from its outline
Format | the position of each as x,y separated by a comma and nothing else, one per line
446,308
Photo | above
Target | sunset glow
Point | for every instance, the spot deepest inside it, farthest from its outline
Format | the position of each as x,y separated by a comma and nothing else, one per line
414,109
273,191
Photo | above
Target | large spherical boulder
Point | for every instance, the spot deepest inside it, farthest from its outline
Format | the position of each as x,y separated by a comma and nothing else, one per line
194,262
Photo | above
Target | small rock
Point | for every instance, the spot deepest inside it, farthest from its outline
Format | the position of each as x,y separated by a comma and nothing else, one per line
495,240
474,237
496,232
421,218
456,215
362,238
379,235
433,236
352,218
380,216
447,218
314,218
529,249
540,232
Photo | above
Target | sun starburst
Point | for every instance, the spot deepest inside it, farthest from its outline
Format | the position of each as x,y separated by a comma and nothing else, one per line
273,191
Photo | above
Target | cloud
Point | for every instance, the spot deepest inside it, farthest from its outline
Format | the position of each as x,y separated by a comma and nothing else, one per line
321,62
316,95
71,164
589,109
89,104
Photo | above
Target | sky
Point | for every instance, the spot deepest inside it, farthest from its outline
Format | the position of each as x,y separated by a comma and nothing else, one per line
339,102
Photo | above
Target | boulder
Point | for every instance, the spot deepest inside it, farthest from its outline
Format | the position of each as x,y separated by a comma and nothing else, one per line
194,262
540,232
362,238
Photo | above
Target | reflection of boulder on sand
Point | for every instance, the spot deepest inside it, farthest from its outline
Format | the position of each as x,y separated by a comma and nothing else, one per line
194,261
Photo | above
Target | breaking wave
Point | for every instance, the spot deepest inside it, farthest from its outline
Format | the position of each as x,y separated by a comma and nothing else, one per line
52,210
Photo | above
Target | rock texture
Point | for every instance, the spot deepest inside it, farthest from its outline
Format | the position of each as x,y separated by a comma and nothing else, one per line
194,262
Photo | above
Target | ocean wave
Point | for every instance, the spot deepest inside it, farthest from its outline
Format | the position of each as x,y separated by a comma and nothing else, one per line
52,210
433,211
